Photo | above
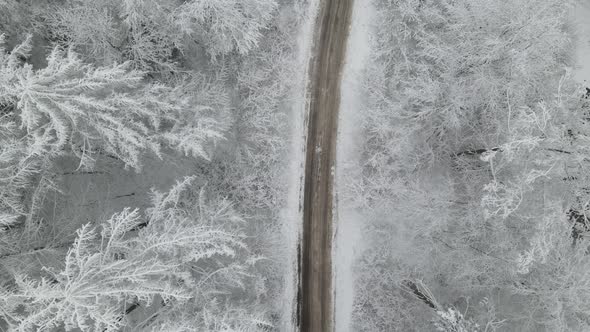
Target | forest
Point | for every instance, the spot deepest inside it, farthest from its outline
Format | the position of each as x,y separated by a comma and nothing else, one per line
152,156
471,186
143,145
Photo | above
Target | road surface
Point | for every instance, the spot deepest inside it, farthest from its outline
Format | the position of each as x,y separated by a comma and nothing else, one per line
315,307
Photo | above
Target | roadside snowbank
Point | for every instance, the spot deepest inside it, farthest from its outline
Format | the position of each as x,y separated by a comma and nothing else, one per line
293,215
347,223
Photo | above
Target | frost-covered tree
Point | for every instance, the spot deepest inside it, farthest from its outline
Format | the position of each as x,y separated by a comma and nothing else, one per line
255,153
122,81
470,142
141,32
151,40
89,27
152,34
79,106
227,25
185,256
203,119
22,157
463,66
20,18
111,110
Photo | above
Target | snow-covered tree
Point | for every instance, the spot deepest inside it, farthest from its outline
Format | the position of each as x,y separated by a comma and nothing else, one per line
472,145
18,18
111,31
224,26
79,106
106,109
152,40
185,255
121,81
22,157
465,65
203,118
152,34
88,27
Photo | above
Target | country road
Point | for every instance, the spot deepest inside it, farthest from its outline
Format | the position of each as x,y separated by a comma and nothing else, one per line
315,307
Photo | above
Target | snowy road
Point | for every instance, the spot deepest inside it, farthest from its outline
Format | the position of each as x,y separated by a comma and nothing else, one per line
330,40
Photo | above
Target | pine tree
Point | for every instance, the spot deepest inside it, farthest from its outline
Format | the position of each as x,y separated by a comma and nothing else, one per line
109,110
75,106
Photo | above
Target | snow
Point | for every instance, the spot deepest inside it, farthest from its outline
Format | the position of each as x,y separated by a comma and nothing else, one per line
582,21
96,197
347,222
292,216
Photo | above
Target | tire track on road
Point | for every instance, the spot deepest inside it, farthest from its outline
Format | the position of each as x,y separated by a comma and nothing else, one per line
315,307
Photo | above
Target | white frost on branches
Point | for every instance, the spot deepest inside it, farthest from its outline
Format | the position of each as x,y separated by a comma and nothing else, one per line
132,258
224,26
452,320
85,109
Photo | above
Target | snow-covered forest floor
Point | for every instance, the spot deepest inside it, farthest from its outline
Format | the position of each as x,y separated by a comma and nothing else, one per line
150,162
463,165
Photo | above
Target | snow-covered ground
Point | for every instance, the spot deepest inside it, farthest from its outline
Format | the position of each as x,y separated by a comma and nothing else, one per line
582,20
96,197
347,223
292,216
